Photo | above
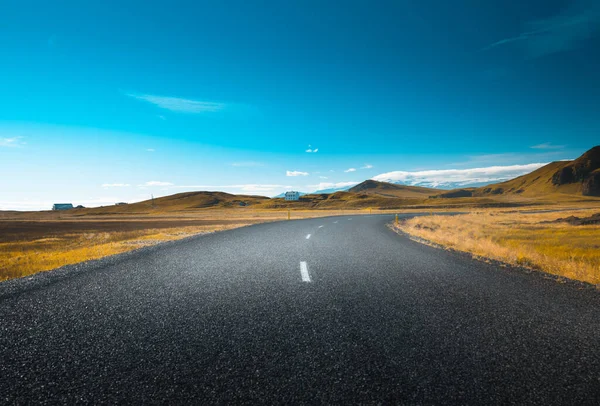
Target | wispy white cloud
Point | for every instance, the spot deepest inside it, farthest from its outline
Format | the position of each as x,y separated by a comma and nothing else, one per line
458,177
11,142
161,117
108,185
547,145
323,177
296,173
178,104
312,150
367,166
150,149
350,170
247,164
558,33
156,183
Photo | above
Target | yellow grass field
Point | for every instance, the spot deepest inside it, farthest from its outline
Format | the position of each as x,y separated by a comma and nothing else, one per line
22,258
519,238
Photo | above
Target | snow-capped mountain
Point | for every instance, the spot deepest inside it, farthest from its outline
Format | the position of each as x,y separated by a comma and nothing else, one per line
442,185
457,178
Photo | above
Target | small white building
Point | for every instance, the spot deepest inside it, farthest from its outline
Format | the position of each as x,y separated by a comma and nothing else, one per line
292,195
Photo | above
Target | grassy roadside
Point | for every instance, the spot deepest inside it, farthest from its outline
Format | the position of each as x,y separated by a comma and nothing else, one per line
23,258
526,239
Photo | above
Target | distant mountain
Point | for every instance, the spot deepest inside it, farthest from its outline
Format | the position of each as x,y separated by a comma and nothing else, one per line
385,189
440,185
318,192
448,179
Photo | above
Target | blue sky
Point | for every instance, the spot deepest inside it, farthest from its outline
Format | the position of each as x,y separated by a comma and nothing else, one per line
106,101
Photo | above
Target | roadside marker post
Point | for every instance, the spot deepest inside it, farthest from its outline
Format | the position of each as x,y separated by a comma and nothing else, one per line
289,214
396,219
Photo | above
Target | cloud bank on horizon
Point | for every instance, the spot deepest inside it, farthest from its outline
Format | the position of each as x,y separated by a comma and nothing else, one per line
451,178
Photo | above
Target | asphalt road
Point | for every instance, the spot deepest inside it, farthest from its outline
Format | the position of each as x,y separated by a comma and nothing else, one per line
265,314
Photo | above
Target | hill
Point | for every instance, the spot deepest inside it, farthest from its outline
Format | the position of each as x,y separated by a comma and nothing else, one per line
579,177
181,202
454,194
341,200
384,189
368,194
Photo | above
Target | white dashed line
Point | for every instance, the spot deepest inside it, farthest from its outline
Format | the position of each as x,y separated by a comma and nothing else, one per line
321,226
335,222
304,272
308,237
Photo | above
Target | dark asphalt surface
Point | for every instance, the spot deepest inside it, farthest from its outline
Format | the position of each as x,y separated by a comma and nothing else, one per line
226,318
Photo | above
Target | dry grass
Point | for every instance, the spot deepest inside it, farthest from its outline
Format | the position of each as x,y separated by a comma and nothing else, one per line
519,239
22,258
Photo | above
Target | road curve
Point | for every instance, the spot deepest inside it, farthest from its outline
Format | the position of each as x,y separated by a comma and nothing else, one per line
329,310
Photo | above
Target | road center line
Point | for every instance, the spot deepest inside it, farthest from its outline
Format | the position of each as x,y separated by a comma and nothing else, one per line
304,272
335,222
320,226
308,236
